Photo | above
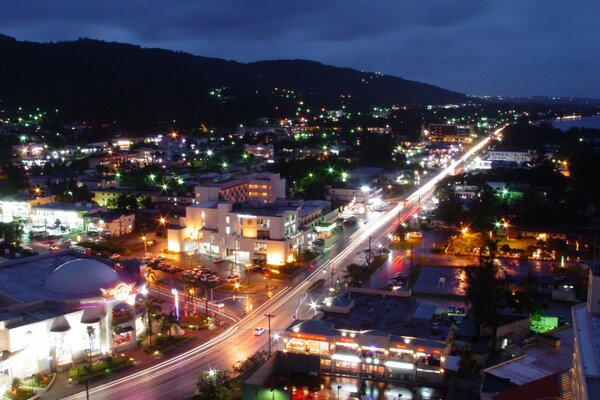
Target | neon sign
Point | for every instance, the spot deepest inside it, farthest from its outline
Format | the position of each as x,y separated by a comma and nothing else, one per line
119,292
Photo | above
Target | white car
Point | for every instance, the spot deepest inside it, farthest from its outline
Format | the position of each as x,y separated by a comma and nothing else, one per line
259,331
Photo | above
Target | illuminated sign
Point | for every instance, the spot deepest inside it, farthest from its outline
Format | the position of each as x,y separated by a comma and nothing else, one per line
400,346
346,340
246,216
307,336
119,292
421,349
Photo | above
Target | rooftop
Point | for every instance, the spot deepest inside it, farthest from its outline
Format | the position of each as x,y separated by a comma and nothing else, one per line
537,361
588,339
389,314
70,206
25,280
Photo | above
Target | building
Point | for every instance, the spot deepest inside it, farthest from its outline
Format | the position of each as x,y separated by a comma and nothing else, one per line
586,353
103,197
266,187
112,223
47,304
520,157
381,335
241,232
260,150
454,133
362,196
62,218
19,207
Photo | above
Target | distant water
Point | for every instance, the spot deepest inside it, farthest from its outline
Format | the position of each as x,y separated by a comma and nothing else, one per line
587,122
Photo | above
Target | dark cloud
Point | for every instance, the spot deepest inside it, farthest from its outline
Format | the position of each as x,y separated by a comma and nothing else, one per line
510,47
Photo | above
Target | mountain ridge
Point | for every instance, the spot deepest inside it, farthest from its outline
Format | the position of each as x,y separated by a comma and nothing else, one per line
96,79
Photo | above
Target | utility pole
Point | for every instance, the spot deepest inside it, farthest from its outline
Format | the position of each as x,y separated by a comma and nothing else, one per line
411,258
269,316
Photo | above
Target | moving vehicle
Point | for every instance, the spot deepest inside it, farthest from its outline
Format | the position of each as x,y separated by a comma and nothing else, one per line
319,242
415,235
259,331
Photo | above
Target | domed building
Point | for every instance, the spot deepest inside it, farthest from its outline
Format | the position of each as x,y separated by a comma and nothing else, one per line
56,308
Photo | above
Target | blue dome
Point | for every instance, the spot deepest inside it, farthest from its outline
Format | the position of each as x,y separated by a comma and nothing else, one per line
81,277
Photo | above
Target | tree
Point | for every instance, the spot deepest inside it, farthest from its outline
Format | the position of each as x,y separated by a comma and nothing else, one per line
152,307
91,333
125,202
167,321
251,364
354,273
485,293
214,385
11,233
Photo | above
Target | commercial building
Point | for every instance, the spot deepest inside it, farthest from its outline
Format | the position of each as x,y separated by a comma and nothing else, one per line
520,157
19,207
375,334
463,133
266,187
47,304
586,354
62,218
241,232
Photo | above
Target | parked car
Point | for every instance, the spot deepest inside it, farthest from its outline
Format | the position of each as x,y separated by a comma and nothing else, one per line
415,235
233,278
259,331
319,242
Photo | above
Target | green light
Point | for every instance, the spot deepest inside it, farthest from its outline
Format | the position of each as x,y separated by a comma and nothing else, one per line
164,186
225,164
180,181
344,176
330,170
497,224
245,156
118,175
152,177
310,175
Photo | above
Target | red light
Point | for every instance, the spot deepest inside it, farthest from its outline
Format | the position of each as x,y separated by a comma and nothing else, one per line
312,265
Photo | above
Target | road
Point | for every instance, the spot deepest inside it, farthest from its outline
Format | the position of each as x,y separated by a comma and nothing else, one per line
175,377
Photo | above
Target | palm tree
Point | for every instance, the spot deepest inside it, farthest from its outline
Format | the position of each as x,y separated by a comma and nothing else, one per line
152,306
188,283
150,276
167,322
159,282
91,332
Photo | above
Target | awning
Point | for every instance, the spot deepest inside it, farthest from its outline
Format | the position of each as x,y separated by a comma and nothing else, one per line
92,315
60,324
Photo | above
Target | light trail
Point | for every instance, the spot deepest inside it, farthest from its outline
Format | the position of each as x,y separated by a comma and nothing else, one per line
277,300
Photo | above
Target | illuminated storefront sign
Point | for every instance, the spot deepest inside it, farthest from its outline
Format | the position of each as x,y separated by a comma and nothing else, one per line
345,357
399,365
119,292
307,336
346,340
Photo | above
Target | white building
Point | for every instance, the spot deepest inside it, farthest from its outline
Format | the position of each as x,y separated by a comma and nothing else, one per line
47,304
586,353
520,157
241,232
266,187
260,150
62,218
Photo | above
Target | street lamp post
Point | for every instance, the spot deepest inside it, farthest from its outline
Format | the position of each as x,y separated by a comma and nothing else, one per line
338,393
145,243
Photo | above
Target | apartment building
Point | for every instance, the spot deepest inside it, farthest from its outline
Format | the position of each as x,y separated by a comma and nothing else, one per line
511,156
241,232
266,187
586,347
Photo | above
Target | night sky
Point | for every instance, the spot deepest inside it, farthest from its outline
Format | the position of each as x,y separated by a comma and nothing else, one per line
481,47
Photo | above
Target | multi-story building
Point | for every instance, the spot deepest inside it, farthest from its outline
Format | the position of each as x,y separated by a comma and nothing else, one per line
462,133
241,232
586,353
266,187
112,223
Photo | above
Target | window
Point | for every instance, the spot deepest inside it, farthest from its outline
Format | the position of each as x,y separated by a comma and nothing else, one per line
227,219
263,223
260,246
227,230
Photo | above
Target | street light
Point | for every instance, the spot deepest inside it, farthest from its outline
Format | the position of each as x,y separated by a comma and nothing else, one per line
338,393
145,250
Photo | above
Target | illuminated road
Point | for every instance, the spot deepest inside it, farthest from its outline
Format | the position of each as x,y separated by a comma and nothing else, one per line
175,378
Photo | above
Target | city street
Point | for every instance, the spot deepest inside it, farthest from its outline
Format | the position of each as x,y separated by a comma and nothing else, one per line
176,377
